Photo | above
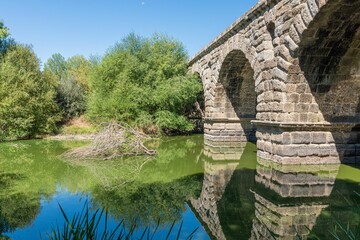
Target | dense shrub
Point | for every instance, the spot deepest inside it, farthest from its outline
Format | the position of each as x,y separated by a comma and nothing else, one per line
27,105
144,81
72,77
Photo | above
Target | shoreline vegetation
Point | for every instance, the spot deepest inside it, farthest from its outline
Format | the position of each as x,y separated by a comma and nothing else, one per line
140,82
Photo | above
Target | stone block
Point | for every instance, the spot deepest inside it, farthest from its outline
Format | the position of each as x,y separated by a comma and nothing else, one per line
279,96
288,107
280,74
291,88
324,150
300,137
304,151
302,108
291,44
289,150
314,117
300,191
319,137
301,87
293,98
299,23
318,190
286,138
306,98
313,7
303,117
292,117
314,107
329,138
278,85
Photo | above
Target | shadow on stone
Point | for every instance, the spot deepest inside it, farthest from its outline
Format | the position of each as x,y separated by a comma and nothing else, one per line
329,58
234,102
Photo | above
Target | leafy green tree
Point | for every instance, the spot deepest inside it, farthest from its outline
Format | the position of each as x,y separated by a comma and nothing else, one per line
27,105
144,81
56,64
72,77
5,40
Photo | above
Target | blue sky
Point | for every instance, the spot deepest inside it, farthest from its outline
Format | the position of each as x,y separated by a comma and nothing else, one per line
89,27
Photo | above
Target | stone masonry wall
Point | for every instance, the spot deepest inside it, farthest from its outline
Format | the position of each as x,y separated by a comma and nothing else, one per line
304,58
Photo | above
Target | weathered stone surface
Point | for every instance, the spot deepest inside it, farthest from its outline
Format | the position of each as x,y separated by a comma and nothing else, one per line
287,62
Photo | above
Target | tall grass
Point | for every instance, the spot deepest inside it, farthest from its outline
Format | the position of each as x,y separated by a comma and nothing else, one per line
343,231
94,226
340,230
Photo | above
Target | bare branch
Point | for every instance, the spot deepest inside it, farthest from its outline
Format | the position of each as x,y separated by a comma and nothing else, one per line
115,140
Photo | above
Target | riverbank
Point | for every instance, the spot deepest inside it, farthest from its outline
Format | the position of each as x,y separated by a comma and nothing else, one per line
64,137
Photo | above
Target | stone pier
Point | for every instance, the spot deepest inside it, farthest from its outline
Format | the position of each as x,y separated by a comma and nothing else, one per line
289,199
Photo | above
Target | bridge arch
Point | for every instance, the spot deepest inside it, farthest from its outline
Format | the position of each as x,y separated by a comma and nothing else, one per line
234,102
329,58
329,61
236,77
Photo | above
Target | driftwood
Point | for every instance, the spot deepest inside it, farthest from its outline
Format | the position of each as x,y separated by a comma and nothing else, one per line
115,140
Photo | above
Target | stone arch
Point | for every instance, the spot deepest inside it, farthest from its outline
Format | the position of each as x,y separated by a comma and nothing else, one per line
236,77
239,43
328,87
235,98
329,57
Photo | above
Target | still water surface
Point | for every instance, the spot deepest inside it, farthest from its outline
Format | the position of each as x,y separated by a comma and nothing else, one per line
224,191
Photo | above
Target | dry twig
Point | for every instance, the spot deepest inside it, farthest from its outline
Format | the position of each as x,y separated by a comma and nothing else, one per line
115,140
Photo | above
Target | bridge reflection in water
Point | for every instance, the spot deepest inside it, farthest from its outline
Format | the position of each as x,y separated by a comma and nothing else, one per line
247,198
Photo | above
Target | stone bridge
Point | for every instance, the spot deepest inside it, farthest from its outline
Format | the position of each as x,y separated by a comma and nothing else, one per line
287,75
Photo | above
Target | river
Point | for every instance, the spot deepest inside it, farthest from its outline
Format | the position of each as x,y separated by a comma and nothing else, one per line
222,192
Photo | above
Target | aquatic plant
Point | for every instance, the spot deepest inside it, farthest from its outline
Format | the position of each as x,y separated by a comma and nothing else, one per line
341,230
85,225
345,231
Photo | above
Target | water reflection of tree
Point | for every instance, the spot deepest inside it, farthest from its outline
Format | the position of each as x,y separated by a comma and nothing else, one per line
148,203
38,164
16,210
236,207
160,190
30,171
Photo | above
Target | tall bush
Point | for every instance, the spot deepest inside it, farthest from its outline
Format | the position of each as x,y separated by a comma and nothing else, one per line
27,105
72,77
144,81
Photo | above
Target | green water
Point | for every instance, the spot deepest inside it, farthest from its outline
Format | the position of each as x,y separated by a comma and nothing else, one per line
225,191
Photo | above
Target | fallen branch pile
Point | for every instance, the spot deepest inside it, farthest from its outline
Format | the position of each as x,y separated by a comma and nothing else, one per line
115,140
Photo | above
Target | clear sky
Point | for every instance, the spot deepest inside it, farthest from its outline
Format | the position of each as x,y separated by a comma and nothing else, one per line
89,27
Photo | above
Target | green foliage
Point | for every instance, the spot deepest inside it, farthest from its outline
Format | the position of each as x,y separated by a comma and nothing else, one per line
4,31
74,129
144,81
150,202
172,121
26,96
5,41
72,77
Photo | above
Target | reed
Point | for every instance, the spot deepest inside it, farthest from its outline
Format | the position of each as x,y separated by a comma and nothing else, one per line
94,226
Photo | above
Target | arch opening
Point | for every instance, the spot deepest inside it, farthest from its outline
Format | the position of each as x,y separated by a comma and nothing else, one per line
196,112
329,58
235,96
